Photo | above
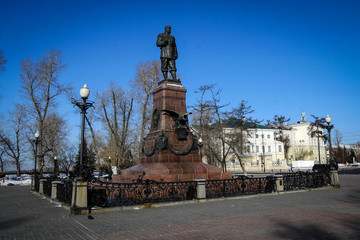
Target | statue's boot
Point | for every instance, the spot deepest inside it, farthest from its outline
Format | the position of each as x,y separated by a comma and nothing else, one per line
165,76
173,74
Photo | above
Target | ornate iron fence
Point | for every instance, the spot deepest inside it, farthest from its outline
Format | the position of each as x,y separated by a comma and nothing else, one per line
303,180
107,194
64,191
239,186
47,187
37,182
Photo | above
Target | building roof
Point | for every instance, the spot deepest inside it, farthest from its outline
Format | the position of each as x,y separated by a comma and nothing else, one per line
232,123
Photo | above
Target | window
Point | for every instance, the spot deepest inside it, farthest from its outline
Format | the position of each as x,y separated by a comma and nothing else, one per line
263,148
280,148
268,136
262,135
257,135
257,148
269,148
248,149
252,148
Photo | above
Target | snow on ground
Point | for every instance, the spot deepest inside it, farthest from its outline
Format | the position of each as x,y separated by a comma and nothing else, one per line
12,180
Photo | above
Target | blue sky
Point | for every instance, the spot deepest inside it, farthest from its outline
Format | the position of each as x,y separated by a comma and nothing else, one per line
280,56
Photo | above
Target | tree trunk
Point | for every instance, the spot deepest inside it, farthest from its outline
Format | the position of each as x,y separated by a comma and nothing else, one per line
18,171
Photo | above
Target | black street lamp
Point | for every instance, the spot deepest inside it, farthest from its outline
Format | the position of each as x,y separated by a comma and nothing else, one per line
110,169
83,105
200,143
36,141
56,167
328,128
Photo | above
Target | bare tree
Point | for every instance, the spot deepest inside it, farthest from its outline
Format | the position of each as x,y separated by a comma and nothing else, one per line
316,130
337,138
203,116
2,159
209,115
338,151
3,61
11,137
280,123
41,86
96,143
357,151
240,122
67,158
301,153
55,133
147,76
115,111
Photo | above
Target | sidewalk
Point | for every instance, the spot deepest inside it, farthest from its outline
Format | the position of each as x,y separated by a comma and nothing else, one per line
319,214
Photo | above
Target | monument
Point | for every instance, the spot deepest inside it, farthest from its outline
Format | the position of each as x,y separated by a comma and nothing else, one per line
170,151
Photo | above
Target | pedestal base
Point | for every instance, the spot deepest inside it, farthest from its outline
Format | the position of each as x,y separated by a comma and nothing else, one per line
171,172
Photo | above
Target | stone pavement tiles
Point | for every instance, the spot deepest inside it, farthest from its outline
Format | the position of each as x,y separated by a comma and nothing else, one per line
319,214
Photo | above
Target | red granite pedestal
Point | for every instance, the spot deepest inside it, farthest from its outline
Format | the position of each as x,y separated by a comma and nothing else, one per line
165,157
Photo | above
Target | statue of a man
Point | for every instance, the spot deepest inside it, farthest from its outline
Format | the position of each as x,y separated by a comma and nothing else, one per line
168,53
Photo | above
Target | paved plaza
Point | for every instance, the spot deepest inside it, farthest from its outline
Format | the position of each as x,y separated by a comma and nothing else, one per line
318,214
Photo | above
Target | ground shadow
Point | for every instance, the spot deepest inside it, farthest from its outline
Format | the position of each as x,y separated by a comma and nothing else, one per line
312,232
308,232
13,223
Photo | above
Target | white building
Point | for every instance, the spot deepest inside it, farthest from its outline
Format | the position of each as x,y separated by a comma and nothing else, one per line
303,147
261,152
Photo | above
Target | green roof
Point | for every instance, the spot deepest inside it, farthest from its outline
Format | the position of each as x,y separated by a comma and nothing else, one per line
233,123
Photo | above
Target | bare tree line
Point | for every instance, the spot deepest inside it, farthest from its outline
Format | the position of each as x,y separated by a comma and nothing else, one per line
120,119
116,125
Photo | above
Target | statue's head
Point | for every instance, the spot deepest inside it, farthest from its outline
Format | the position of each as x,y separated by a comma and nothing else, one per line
168,29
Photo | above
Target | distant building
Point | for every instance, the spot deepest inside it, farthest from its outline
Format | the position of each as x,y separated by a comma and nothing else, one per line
303,147
261,152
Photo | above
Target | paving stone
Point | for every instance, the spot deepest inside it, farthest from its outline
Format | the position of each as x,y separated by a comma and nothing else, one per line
318,214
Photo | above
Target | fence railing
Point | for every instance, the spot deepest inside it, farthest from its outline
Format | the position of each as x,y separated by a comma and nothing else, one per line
64,191
37,182
107,194
47,187
303,180
239,186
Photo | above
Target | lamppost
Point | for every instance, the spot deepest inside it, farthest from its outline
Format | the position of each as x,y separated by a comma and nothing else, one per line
36,141
83,105
34,177
56,172
110,170
328,128
200,143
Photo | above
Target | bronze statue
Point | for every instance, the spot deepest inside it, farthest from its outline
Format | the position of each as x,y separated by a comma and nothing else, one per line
168,53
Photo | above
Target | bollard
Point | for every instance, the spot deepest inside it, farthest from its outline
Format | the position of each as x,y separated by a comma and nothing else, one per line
41,186
54,186
279,183
79,201
334,178
200,189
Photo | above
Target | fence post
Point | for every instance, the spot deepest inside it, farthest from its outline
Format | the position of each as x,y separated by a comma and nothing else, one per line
33,182
334,178
279,183
41,186
200,189
79,196
54,186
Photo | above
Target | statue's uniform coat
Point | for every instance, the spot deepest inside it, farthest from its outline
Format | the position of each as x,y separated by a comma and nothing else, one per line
168,46
168,53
